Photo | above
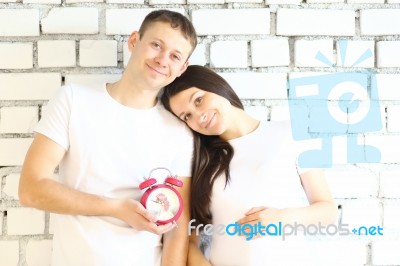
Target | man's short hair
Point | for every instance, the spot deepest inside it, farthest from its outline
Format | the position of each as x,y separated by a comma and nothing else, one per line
175,19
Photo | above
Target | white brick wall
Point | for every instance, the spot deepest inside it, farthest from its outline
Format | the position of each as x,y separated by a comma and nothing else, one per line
56,53
257,46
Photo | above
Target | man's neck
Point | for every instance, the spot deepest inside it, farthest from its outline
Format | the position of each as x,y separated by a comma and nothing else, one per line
131,97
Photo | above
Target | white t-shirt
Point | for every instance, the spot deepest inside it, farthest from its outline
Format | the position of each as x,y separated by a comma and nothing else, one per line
263,172
110,149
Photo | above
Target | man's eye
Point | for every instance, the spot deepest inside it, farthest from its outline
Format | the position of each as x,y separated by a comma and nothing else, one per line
176,57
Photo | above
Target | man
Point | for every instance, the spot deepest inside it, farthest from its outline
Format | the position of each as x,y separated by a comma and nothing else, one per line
105,140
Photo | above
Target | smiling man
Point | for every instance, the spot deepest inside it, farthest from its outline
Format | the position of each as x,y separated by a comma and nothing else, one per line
104,139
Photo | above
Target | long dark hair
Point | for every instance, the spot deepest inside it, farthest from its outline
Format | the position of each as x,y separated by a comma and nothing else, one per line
212,155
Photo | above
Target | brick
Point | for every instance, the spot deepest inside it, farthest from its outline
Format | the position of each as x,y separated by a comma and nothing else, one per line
83,1
90,79
16,55
51,222
391,218
28,86
25,22
389,147
221,54
54,2
1,223
352,183
25,221
388,53
125,21
11,187
385,252
273,52
258,85
94,53
282,2
393,1
58,21
38,252
323,1
18,119
9,252
198,56
388,86
393,114
166,2
359,213
390,184
258,112
206,1
56,53
379,21
13,151
220,21
280,113
302,22
356,54
365,1
125,1
308,53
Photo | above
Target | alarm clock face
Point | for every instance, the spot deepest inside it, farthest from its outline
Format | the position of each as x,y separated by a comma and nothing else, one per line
164,203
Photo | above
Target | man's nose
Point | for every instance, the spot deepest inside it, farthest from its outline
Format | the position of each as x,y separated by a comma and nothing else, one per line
162,58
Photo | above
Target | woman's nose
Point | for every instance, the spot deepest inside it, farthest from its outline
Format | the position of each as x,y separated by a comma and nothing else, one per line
202,116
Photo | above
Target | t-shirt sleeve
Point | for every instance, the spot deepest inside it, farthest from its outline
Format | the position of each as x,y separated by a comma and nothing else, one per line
54,122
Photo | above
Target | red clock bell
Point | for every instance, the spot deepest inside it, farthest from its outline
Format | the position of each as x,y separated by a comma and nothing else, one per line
162,200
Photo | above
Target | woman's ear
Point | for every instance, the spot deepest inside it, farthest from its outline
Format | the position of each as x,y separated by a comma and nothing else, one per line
133,39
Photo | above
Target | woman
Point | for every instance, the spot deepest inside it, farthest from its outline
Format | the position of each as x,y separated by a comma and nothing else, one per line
244,171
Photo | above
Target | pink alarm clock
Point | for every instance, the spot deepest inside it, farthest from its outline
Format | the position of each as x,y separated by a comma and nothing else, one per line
162,200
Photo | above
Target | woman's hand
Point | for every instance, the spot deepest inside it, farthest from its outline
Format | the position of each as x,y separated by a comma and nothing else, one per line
259,216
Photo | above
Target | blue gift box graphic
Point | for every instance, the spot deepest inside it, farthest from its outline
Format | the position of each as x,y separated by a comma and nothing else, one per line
335,104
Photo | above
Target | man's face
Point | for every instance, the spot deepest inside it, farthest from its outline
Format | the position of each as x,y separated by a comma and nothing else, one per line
159,55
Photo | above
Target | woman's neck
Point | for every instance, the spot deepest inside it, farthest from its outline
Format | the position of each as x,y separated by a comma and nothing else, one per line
241,125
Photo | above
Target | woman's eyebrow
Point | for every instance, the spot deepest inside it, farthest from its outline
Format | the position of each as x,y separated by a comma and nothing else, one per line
190,100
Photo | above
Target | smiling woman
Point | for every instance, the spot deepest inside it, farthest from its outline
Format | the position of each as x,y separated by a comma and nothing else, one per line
245,171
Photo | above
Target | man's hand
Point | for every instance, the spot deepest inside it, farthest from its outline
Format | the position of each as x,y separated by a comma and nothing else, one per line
135,214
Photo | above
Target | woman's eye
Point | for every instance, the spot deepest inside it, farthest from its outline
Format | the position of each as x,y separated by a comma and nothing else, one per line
198,100
186,117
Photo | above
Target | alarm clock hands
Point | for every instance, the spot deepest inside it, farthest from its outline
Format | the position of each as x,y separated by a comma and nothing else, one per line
134,214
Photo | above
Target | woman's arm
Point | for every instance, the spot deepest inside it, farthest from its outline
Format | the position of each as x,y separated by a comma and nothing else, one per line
176,241
196,256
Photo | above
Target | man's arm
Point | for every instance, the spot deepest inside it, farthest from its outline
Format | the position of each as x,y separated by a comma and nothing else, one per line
38,189
176,241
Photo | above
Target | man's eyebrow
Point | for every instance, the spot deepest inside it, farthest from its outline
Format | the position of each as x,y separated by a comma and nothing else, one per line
190,100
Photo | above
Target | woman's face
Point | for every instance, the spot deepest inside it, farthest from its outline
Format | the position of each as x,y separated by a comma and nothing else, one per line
203,111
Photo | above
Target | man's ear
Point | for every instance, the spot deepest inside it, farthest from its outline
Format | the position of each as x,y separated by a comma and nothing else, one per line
183,69
133,39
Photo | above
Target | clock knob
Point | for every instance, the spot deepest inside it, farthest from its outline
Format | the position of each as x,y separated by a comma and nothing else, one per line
173,181
147,183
